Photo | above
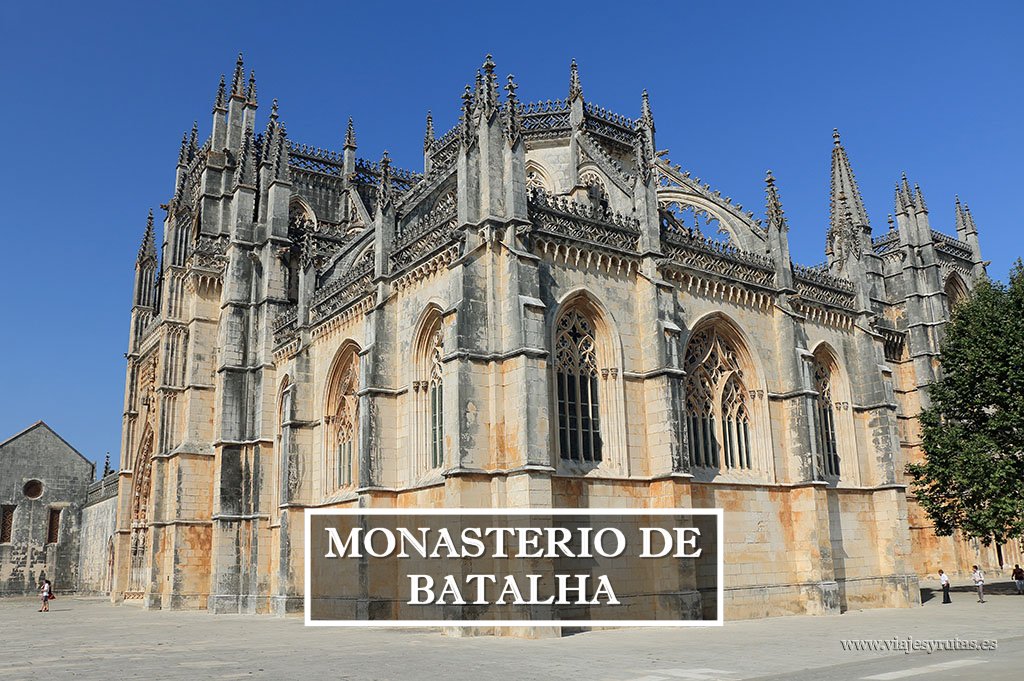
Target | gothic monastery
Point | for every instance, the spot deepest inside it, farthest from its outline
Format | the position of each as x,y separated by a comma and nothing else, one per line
549,313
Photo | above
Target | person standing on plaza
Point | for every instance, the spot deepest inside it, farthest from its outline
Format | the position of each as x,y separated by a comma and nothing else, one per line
45,591
979,581
1018,579
944,581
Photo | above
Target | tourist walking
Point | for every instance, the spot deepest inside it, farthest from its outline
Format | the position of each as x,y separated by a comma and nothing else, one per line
45,592
979,581
944,581
1018,579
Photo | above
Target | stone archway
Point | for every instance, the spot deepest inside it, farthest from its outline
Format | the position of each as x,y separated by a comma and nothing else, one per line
137,572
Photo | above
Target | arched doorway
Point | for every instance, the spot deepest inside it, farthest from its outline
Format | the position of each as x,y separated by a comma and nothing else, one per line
137,578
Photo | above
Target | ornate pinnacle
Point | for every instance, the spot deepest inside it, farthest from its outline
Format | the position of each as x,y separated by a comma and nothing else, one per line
892,224
147,250
904,197
245,173
250,93
511,87
919,198
776,216
490,84
646,117
183,152
350,134
428,136
273,111
467,115
218,102
512,123
643,162
281,170
575,88
844,184
385,192
237,82
193,140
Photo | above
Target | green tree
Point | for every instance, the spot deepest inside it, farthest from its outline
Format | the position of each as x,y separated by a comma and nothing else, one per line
972,476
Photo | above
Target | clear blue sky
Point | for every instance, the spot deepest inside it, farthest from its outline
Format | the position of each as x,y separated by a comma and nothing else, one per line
96,97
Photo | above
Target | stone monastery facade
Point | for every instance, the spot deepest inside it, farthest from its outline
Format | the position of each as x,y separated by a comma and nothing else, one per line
549,314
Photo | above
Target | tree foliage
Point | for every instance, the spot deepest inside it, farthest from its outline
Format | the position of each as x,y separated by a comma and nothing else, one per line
972,476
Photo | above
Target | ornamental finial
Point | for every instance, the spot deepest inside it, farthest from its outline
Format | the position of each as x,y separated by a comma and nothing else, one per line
575,88
428,136
350,134
237,82
250,93
218,102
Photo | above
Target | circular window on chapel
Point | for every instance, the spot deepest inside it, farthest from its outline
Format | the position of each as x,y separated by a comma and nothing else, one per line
33,489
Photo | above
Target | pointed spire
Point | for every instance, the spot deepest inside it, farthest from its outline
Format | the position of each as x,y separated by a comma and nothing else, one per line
238,80
350,134
147,250
904,196
961,218
969,218
467,115
250,92
281,171
575,88
428,136
245,173
776,216
490,85
641,158
219,102
272,142
919,199
845,184
193,140
106,465
183,152
646,117
513,125
385,190
908,197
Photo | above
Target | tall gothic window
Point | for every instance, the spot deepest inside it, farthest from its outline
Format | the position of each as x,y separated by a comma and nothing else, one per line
828,451
343,419
286,474
717,404
429,395
435,390
579,422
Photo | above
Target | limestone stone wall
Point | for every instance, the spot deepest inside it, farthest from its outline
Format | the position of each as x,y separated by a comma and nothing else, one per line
39,454
97,533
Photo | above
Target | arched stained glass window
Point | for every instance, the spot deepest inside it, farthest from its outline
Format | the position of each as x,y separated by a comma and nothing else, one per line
579,422
435,391
718,412
828,451
343,416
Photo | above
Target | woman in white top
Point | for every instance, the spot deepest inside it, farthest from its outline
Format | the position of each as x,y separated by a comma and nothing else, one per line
979,580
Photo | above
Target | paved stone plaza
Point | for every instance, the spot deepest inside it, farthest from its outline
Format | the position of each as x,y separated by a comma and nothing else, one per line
87,638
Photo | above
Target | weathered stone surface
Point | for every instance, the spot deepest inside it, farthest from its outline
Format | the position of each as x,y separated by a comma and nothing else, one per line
39,455
331,331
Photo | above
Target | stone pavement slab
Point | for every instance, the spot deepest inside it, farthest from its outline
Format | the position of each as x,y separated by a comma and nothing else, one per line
90,639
